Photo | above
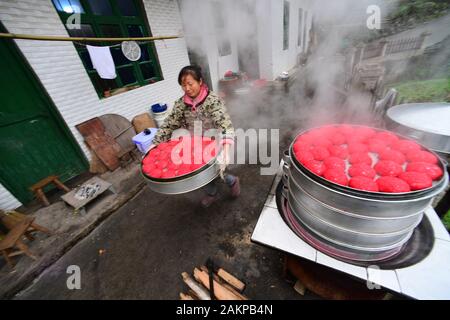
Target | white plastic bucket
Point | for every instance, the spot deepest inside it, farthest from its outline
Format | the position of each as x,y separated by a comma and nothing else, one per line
159,117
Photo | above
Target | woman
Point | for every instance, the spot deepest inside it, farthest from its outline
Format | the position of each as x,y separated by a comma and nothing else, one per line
200,104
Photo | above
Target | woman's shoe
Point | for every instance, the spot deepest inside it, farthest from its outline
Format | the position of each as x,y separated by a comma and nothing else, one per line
236,188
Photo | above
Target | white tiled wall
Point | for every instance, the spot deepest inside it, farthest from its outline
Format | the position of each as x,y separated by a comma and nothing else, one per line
7,200
63,76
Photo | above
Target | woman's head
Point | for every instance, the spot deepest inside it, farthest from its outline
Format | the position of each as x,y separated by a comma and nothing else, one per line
191,80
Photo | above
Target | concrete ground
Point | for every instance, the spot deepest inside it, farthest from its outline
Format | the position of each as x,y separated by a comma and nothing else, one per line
140,251
68,227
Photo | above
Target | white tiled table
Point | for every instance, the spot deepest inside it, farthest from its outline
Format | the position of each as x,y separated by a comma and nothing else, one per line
428,279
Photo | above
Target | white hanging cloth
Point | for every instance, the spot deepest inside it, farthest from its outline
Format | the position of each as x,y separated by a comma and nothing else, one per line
102,61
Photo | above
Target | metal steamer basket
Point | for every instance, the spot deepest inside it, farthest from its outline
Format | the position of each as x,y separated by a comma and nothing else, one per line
364,222
186,183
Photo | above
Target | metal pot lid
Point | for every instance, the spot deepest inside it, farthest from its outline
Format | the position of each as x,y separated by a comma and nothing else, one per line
428,117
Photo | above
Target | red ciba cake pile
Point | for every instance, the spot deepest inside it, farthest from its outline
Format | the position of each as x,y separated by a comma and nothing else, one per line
367,159
168,159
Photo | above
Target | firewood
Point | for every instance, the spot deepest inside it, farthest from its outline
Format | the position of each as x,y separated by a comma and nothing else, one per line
234,291
220,291
185,296
230,279
201,292
226,285
300,288
193,295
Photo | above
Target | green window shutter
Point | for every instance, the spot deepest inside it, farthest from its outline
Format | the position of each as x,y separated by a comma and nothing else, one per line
113,18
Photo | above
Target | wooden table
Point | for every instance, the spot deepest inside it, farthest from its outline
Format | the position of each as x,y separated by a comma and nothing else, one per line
87,192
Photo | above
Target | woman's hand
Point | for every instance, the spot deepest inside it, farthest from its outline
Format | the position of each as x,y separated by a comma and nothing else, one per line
224,159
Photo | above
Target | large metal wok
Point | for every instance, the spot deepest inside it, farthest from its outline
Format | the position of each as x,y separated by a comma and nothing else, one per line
428,123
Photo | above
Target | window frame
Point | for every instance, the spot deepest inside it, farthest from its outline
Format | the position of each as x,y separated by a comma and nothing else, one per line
305,27
300,28
286,22
117,19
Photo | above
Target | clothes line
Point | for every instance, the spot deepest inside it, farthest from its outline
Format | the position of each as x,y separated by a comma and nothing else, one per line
100,56
58,38
117,45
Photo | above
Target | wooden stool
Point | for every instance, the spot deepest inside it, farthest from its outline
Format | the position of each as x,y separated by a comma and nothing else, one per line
13,240
39,193
11,218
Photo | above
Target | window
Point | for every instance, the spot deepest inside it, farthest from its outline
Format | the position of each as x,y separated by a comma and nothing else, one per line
286,26
304,31
300,26
223,41
113,19
68,6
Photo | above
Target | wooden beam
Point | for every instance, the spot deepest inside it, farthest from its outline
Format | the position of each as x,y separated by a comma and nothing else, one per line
59,38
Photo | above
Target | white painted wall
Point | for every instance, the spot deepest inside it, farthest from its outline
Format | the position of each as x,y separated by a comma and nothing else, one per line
63,75
264,39
272,58
284,60
198,22
7,200
218,65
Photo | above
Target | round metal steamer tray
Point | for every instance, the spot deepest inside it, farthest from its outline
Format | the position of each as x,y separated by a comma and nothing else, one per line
428,123
185,183
375,225
413,251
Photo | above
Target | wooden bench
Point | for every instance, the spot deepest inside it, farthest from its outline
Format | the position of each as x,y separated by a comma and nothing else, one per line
11,218
12,244
37,188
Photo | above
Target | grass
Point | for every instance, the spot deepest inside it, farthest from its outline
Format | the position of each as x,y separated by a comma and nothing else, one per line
446,220
419,10
434,90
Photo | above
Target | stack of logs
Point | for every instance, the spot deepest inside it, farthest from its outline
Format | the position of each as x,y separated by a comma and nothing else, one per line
225,285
